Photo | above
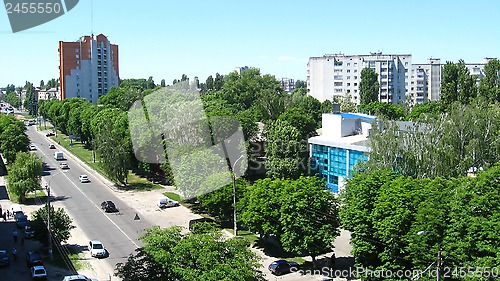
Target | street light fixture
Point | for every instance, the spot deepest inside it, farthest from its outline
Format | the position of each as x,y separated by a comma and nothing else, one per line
438,262
234,195
47,187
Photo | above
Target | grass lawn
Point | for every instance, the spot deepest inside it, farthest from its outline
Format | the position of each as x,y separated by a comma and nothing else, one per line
173,196
77,259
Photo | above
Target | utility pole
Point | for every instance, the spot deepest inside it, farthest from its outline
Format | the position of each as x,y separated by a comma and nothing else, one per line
48,222
438,278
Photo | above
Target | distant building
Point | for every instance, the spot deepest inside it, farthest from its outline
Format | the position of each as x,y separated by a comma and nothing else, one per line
400,80
287,84
342,144
88,68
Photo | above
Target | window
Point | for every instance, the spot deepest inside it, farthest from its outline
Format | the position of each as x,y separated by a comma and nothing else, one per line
348,71
348,64
355,84
348,77
77,62
355,64
355,70
355,77
348,84
406,63
77,56
77,50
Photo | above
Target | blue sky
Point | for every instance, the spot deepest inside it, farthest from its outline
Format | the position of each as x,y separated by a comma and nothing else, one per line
164,38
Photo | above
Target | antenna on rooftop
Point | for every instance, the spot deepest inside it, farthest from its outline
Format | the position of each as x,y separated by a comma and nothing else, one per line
92,18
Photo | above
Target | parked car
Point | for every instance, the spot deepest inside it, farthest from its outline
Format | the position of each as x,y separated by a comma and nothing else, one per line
83,178
33,258
4,258
280,267
165,202
78,277
29,232
97,249
32,147
49,134
21,220
51,146
64,166
38,273
109,206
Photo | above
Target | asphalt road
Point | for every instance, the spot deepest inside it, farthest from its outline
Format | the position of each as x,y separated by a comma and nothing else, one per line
118,232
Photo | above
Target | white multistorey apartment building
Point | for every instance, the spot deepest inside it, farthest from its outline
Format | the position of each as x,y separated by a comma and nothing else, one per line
400,80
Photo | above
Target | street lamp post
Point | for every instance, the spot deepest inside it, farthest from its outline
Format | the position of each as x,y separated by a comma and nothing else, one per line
51,256
47,187
438,262
234,195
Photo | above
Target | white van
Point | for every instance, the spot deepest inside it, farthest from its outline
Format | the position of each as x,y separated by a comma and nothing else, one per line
165,202
15,208
58,155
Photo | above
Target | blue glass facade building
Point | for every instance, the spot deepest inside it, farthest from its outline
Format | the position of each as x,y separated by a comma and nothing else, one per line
342,144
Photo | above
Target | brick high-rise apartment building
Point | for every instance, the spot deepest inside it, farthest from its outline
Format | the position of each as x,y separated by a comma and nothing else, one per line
88,68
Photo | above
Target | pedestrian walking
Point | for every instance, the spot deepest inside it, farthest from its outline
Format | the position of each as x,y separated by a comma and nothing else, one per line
8,213
4,216
14,235
14,253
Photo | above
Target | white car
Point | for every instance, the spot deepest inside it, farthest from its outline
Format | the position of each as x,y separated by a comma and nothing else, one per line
64,166
77,278
32,147
84,178
38,273
97,249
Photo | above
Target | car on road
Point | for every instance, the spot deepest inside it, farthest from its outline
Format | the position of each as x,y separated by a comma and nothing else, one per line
97,249
165,202
29,232
83,178
32,147
33,258
49,134
77,278
4,258
21,220
51,146
280,267
64,166
109,206
38,272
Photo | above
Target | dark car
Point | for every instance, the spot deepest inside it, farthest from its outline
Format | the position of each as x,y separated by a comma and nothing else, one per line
283,266
51,146
21,220
33,258
29,232
4,258
108,206
50,134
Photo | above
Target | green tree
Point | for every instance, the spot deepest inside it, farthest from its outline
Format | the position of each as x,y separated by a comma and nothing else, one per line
457,83
13,138
368,86
42,84
151,83
300,84
430,108
162,83
286,150
25,175
302,120
447,146
300,213
309,217
388,110
13,99
170,255
60,225
490,85
113,144
219,203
